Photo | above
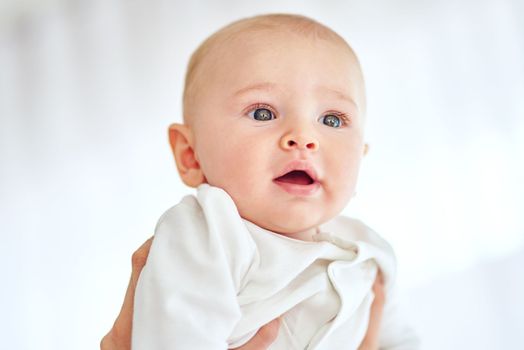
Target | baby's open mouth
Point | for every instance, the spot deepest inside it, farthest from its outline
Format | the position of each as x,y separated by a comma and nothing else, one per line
297,177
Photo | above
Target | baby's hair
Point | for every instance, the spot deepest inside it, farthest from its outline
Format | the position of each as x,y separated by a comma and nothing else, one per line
295,23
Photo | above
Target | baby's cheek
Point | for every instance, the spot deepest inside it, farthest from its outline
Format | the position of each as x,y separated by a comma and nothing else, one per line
346,178
233,169
215,165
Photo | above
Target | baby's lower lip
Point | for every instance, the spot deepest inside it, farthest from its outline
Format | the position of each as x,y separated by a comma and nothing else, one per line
298,190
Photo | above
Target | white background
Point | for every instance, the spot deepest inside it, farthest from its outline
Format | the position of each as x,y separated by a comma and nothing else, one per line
88,88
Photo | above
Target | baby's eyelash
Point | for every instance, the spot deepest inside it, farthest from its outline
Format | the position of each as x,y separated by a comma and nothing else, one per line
260,106
343,116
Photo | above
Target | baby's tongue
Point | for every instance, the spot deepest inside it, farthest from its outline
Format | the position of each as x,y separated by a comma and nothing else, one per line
296,177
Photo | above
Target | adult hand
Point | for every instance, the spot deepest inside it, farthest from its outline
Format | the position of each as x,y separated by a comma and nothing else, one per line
119,337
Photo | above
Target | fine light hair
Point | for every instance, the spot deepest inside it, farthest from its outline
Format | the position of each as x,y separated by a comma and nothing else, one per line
297,24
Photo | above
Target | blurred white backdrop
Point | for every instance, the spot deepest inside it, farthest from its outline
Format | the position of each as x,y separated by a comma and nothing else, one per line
88,88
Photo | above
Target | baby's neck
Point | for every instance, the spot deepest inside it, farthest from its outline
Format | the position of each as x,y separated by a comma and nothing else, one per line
306,235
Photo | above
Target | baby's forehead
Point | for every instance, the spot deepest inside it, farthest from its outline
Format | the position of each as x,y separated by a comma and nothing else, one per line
287,29
242,36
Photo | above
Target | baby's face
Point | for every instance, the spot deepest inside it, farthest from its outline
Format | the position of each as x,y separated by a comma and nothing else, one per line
278,125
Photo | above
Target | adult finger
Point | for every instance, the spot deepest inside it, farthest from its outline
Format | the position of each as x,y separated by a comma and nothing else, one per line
138,260
371,339
378,290
265,336
119,337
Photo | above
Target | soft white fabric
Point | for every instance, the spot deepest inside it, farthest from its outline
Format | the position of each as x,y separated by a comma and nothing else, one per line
212,279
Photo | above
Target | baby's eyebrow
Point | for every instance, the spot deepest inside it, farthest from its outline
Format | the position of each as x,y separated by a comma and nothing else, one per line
265,86
338,94
268,86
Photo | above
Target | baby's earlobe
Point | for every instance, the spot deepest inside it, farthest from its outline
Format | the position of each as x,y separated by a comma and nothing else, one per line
180,138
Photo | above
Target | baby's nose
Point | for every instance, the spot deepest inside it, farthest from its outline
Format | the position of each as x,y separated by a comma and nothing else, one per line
293,141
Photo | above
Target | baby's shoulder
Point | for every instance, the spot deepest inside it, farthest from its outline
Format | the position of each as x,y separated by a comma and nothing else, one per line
185,213
210,216
208,203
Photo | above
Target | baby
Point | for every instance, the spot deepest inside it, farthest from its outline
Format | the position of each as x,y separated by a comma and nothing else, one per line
274,112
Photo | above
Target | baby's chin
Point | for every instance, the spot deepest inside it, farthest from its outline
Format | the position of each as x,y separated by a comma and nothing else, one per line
288,219
293,227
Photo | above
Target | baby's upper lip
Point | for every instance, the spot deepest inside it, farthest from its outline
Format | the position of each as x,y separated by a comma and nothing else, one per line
299,165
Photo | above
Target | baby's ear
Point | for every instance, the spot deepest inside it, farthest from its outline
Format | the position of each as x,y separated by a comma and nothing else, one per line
181,140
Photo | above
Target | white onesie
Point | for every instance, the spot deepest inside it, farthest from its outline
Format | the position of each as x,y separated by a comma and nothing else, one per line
212,279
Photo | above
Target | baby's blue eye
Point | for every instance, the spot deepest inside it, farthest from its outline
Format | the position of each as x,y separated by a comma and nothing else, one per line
331,120
263,114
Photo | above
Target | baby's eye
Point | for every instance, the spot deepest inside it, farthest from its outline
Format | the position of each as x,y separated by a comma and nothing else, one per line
262,114
332,120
